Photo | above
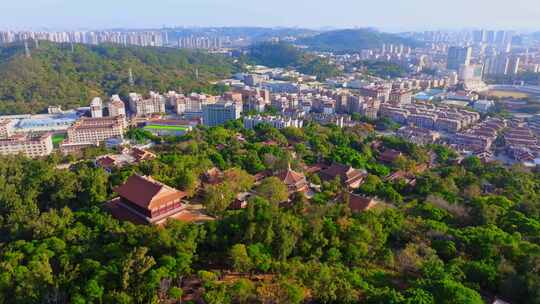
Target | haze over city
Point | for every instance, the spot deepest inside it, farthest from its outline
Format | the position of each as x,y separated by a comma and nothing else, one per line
387,15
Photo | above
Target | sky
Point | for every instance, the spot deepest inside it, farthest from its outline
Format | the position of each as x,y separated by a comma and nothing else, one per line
390,15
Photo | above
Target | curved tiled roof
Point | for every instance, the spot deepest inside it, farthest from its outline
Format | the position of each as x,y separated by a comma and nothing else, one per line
290,177
147,193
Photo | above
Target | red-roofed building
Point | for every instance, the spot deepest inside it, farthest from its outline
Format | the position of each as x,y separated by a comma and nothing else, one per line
148,200
212,176
128,156
295,181
350,177
241,201
360,203
107,163
141,155
389,155
407,177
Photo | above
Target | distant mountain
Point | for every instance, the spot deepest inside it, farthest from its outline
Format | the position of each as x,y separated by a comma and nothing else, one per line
253,34
353,40
56,74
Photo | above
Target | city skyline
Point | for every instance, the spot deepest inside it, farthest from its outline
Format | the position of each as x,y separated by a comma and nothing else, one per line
392,16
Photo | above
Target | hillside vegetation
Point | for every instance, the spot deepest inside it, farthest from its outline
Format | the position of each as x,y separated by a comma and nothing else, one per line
285,55
353,40
458,232
54,74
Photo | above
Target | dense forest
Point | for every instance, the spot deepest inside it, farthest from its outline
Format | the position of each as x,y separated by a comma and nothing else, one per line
58,74
353,40
463,232
285,55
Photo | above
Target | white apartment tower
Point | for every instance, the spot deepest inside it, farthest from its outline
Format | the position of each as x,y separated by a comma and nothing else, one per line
116,107
96,108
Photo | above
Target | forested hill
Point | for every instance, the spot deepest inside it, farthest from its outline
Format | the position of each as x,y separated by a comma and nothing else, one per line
353,40
454,233
288,56
56,74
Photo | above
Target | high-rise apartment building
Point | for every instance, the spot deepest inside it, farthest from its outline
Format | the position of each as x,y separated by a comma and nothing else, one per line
116,107
458,56
221,112
96,108
490,36
503,64
513,65
479,36
497,65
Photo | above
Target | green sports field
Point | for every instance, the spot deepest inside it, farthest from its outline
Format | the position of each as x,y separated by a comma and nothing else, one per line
57,139
165,127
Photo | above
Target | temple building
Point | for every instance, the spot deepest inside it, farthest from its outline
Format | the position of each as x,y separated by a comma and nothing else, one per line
350,177
144,200
295,181
212,176
389,155
359,203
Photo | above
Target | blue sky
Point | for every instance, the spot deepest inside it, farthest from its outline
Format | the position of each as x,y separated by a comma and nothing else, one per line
393,15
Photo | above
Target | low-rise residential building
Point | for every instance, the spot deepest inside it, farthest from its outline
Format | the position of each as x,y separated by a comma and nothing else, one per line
190,105
335,119
277,122
380,92
470,142
30,145
252,99
141,106
370,108
478,138
448,125
423,120
399,97
441,118
419,136
521,143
